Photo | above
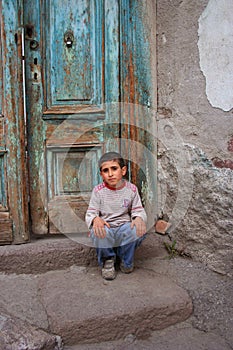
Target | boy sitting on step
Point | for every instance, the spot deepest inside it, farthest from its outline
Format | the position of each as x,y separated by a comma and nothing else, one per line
115,216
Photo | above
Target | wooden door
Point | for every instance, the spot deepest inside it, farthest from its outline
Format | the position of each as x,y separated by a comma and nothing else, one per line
72,77
84,75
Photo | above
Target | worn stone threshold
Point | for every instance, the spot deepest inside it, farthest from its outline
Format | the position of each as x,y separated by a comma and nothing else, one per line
55,286
46,253
79,306
57,252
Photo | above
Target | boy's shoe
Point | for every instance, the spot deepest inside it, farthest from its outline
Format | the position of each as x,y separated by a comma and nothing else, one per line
126,269
108,271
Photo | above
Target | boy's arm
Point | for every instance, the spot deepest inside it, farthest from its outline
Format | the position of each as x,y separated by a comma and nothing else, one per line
140,226
92,217
138,215
93,209
99,227
137,209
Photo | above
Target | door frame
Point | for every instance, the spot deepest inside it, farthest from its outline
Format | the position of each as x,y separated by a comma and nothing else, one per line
13,116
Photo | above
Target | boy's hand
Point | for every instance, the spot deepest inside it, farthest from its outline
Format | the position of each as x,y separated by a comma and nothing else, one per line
140,226
98,227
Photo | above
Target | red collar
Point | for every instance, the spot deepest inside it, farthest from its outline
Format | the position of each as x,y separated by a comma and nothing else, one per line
115,188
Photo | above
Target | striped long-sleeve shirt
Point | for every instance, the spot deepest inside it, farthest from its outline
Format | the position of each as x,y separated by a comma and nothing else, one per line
115,206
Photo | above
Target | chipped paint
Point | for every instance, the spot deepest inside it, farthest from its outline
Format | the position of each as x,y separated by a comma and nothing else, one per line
216,52
71,78
223,163
107,62
14,128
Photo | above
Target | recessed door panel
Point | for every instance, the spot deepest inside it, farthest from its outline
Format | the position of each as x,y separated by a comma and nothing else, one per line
72,52
88,70
72,65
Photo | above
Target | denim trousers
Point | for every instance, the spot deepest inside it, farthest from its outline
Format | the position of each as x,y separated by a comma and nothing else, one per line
119,242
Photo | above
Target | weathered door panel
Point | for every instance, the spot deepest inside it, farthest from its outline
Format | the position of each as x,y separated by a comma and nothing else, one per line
13,194
5,224
72,58
138,96
88,91
72,47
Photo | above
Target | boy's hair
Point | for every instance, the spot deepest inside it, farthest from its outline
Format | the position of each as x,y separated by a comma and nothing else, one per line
116,157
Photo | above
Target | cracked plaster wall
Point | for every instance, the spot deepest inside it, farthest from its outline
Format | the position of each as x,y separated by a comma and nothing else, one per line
195,165
216,52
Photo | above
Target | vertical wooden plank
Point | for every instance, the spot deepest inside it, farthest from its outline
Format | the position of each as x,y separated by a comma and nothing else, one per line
140,80
1,65
112,73
142,22
36,131
5,221
138,121
2,145
126,81
111,39
13,110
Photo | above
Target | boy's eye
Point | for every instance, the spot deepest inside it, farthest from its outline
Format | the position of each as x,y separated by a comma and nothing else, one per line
114,168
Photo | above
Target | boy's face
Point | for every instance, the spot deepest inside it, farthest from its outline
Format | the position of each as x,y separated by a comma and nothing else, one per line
112,173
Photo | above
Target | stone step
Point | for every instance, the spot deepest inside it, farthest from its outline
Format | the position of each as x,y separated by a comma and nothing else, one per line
59,252
54,286
46,254
16,334
80,307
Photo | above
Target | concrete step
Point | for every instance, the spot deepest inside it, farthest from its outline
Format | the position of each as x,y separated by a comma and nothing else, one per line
59,252
46,253
79,306
54,286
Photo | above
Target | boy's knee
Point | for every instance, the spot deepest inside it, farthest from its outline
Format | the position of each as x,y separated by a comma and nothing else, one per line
128,234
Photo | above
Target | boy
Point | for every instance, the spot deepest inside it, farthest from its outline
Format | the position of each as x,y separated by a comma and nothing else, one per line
116,217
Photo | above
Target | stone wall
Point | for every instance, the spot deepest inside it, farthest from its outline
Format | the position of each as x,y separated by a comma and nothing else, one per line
195,167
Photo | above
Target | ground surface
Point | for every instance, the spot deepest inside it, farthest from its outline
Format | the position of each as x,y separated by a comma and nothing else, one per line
211,324
66,296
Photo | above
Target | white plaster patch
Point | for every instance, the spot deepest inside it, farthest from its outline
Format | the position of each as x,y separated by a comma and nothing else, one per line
216,52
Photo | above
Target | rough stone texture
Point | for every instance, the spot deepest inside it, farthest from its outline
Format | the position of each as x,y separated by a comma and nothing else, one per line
211,294
205,231
80,306
18,335
46,254
58,252
209,327
181,337
193,194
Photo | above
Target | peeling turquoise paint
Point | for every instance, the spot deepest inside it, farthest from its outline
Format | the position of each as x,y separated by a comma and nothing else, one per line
12,98
141,53
107,61
137,90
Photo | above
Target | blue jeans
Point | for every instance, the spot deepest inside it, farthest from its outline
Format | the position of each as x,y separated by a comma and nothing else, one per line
120,241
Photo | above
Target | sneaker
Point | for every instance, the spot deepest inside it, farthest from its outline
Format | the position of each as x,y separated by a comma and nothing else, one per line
108,271
126,269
